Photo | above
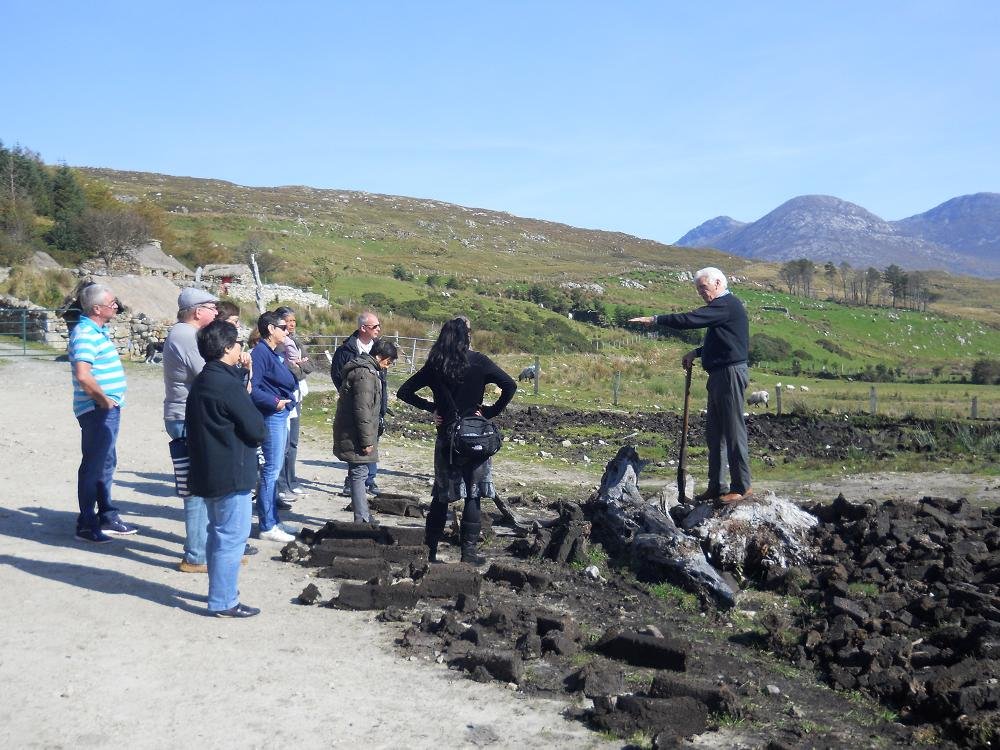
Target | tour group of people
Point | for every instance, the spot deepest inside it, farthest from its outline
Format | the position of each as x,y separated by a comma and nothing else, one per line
231,411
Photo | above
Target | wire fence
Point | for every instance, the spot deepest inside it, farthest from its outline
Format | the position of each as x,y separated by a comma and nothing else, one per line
412,351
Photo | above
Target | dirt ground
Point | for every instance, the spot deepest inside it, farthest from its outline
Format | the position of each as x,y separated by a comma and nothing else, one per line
107,645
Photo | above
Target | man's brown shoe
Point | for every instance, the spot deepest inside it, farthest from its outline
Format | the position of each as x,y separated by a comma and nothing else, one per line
708,496
186,567
732,498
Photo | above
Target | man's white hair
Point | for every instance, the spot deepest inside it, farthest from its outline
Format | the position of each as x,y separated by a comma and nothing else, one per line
712,274
93,295
364,317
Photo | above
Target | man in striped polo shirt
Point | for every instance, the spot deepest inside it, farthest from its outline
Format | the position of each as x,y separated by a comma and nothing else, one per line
98,395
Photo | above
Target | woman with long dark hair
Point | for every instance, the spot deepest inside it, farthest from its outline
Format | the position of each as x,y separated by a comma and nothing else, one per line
457,376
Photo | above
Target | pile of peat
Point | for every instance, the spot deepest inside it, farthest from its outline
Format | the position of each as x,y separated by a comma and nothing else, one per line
903,603
544,620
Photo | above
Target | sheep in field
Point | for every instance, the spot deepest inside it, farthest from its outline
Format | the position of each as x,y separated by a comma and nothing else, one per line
757,398
528,373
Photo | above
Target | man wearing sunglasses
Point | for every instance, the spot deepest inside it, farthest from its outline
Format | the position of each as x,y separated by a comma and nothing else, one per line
361,342
196,308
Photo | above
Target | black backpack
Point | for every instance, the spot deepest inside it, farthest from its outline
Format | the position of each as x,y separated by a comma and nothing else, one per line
472,439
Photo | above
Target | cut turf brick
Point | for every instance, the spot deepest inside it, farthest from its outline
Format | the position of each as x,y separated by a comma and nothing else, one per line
644,650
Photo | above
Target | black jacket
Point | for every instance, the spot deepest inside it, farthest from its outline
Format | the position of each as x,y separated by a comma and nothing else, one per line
727,341
344,354
224,429
467,395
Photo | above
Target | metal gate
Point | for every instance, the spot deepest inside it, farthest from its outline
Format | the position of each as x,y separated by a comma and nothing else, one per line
30,332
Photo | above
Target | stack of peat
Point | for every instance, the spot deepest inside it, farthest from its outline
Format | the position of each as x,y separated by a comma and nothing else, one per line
380,566
904,604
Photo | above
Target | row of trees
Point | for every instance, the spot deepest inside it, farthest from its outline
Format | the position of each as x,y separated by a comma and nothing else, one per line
861,286
52,209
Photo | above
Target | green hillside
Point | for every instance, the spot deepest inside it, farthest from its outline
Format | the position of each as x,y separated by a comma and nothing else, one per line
498,268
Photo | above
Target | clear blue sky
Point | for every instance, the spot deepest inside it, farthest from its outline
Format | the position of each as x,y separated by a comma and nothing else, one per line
641,117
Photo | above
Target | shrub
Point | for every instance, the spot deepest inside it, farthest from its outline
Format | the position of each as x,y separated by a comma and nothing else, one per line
986,372
764,348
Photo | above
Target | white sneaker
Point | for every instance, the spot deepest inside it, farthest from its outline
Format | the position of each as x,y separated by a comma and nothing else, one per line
298,491
275,534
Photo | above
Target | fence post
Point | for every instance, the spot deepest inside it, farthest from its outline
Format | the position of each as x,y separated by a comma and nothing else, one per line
616,386
24,331
413,357
777,399
975,407
873,399
538,374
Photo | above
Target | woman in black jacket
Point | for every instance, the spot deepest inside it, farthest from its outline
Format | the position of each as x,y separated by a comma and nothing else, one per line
457,377
224,429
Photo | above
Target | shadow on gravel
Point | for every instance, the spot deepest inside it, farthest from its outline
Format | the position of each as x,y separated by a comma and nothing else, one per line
108,582
162,485
381,471
55,528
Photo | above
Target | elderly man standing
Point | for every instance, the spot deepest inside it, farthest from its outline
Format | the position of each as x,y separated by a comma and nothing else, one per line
98,395
724,356
361,342
196,308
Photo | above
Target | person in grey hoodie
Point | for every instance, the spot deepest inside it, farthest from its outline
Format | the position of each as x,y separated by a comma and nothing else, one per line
356,422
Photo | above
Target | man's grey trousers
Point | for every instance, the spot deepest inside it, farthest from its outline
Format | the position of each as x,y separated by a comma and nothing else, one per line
725,430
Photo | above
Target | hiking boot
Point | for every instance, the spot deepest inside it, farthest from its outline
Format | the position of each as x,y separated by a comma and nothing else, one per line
240,611
708,496
94,536
735,498
186,567
282,504
249,550
372,489
470,540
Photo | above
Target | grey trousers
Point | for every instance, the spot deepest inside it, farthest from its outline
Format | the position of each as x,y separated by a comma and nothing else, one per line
357,475
726,431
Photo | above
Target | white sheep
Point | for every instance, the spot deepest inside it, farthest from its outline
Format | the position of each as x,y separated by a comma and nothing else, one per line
804,388
757,397
789,387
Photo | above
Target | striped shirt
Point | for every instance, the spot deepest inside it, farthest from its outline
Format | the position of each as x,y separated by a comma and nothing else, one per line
92,344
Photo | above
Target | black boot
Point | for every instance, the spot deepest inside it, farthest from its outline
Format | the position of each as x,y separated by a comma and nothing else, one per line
434,528
470,540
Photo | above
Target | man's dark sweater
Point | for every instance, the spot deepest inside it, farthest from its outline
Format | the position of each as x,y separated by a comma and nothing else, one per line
727,341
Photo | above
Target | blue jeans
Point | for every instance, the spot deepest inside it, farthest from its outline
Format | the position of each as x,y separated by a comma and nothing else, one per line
195,512
287,480
228,529
98,435
274,458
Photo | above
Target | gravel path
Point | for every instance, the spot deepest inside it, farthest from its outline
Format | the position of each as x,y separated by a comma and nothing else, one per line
107,646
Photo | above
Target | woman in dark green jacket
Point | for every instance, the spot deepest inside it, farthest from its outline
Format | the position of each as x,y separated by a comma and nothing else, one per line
356,423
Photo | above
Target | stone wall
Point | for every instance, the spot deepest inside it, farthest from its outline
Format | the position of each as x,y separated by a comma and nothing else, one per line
131,333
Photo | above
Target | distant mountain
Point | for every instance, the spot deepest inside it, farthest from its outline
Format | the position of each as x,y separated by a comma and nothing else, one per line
960,236
705,235
969,224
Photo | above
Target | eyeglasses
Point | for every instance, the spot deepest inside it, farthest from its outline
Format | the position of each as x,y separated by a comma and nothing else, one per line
372,325
213,308
283,327
111,305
